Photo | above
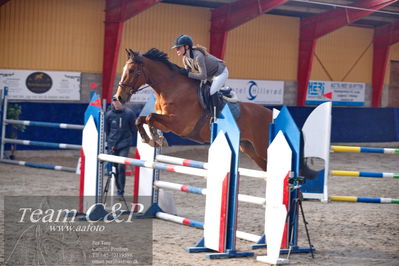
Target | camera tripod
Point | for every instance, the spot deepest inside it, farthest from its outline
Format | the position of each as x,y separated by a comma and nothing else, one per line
298,205
110,185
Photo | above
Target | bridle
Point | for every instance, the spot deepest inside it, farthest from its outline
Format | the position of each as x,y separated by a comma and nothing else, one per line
137,73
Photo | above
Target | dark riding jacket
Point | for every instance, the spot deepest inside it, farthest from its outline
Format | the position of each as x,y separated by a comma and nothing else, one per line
119,128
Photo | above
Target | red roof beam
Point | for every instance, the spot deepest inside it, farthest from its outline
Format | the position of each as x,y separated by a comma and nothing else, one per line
321,24
116,12
384,37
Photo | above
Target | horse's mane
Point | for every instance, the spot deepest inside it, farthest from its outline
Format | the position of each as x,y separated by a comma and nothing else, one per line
157,55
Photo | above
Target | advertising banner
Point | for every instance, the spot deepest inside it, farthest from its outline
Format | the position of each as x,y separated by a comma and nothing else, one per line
41,85
256,91
339,93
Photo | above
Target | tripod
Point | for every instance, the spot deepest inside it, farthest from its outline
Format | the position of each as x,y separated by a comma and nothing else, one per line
111,182
298,203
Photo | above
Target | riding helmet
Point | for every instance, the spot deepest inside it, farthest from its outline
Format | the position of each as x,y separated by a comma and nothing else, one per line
183,40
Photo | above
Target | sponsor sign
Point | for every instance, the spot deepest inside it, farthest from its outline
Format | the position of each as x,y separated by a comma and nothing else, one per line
41,85
339,93
256,91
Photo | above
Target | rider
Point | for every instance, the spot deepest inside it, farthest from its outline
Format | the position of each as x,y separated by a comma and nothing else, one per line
201,65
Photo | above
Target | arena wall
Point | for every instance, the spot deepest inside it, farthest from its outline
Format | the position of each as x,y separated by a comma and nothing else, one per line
68,36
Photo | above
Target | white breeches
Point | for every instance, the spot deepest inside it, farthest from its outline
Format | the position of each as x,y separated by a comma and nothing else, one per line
218,81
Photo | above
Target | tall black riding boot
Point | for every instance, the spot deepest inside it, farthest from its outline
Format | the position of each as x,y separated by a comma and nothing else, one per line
214,106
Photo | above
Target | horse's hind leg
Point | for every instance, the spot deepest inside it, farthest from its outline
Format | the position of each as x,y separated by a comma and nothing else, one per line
247,148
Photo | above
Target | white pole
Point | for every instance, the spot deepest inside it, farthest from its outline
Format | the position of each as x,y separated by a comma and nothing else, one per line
3,124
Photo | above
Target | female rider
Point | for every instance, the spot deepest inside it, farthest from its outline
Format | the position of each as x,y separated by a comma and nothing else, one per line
201,65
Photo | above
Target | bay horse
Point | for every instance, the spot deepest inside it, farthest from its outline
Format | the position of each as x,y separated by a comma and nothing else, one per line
178,108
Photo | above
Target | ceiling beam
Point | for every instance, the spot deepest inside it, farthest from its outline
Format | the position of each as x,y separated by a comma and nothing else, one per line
319,25
308,11
314,27
384,37
228,17
116,13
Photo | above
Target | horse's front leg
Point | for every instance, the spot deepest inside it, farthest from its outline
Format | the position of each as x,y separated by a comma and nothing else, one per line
140,121
162,122
157,140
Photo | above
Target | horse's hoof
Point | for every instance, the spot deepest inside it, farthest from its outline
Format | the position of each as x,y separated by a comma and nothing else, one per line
145,140
161,141
152,143
164,142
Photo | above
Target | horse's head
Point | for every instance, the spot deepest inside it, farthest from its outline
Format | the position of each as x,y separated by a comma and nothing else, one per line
133,76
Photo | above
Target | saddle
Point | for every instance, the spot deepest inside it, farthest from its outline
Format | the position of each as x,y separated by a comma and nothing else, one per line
204,99
224,95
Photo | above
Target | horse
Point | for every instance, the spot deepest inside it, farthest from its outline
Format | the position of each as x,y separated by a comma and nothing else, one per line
178,108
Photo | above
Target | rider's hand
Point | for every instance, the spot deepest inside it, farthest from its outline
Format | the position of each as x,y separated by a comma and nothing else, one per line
183,71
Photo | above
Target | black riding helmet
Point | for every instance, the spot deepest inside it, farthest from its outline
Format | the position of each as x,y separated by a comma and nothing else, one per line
183,40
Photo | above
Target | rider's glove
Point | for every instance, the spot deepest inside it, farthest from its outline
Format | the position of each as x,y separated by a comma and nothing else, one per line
183,71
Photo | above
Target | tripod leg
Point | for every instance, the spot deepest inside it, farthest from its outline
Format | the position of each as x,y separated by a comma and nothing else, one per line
305,223
124,200
106,190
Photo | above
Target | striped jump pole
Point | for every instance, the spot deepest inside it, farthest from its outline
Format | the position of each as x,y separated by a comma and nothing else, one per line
364,174
202,191
153,165
179,220
42,144
204,165
364,199
44,124
200,225
364,149
40,165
